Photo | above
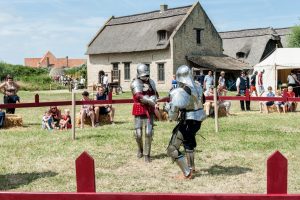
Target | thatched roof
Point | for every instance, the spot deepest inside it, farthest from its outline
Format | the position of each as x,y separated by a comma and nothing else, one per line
284,33
56,72
251,42
136,32
222,62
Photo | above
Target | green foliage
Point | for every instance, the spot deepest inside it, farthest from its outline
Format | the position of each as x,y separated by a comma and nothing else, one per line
29,78
76,72
294,38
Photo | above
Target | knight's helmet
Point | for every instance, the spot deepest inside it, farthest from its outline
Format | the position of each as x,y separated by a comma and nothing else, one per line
142,70
184,76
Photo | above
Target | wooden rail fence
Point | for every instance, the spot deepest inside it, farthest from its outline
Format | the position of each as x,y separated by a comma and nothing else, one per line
277,170
110,100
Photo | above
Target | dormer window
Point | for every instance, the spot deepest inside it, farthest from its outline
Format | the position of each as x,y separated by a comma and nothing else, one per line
240,55
162,35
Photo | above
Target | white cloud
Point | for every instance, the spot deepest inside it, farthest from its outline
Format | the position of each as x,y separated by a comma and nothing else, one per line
6,18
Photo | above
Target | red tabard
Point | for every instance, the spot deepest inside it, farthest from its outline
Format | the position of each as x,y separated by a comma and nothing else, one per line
139,108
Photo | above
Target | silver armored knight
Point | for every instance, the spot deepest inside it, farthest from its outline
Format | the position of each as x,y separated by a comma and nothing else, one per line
186,106
144,98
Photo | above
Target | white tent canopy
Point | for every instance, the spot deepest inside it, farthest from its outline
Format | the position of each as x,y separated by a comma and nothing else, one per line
278,65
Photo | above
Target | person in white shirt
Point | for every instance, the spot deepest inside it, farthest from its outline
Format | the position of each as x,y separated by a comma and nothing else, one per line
105,81
294,82
208,80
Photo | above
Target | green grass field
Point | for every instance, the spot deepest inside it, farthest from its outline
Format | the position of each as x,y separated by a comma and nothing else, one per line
231,161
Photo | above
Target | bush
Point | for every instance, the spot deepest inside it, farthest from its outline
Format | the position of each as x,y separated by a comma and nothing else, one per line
29,78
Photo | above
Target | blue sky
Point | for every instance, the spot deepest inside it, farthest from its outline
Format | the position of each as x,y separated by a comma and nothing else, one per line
28,28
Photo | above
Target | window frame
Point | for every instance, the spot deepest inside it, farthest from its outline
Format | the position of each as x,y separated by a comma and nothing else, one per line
115,64
161,72
198,35
126,71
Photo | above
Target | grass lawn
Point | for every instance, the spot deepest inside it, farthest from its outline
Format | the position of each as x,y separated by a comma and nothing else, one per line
231,161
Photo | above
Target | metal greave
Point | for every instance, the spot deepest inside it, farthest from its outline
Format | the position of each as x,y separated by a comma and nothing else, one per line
183,165
139,141
190,157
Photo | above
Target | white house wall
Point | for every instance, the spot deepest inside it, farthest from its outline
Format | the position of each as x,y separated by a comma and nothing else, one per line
104,62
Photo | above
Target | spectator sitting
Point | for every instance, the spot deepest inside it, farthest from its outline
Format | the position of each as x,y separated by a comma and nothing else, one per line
290,106
47,121
223,103
56,115
279,104
103,109
209,103
268,104
65,122
86,110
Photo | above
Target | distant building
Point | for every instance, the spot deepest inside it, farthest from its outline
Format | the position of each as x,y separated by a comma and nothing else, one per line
49,60
163,39
253,45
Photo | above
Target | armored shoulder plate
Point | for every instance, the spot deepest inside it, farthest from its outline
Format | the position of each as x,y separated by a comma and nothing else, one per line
136,86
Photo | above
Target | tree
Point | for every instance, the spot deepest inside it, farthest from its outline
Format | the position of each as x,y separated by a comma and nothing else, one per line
294,38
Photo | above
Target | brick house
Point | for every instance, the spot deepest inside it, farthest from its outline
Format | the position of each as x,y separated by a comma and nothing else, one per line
49,60
163,39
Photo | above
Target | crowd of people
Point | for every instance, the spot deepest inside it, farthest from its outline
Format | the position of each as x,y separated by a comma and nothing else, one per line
71,82
186,106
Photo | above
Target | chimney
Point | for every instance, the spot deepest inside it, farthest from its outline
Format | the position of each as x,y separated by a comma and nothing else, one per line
163,8
67,58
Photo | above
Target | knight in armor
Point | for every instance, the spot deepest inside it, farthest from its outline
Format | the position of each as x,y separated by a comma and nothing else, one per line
186,106
144,100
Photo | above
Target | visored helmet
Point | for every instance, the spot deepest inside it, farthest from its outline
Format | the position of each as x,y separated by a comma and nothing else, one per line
184,75
142,70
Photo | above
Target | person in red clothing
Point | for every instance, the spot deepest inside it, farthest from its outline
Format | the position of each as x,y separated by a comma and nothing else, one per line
65,122
290,106
144,101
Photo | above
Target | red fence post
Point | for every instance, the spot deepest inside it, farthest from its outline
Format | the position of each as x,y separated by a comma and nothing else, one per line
37,98
85,173
277,174
110,97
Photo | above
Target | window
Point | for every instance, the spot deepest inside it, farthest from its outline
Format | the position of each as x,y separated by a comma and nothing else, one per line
162,35
161,71
127,71
198,35
240,55
115,66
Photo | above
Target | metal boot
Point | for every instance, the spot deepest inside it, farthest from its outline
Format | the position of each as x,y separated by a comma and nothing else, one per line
148,140
187,172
